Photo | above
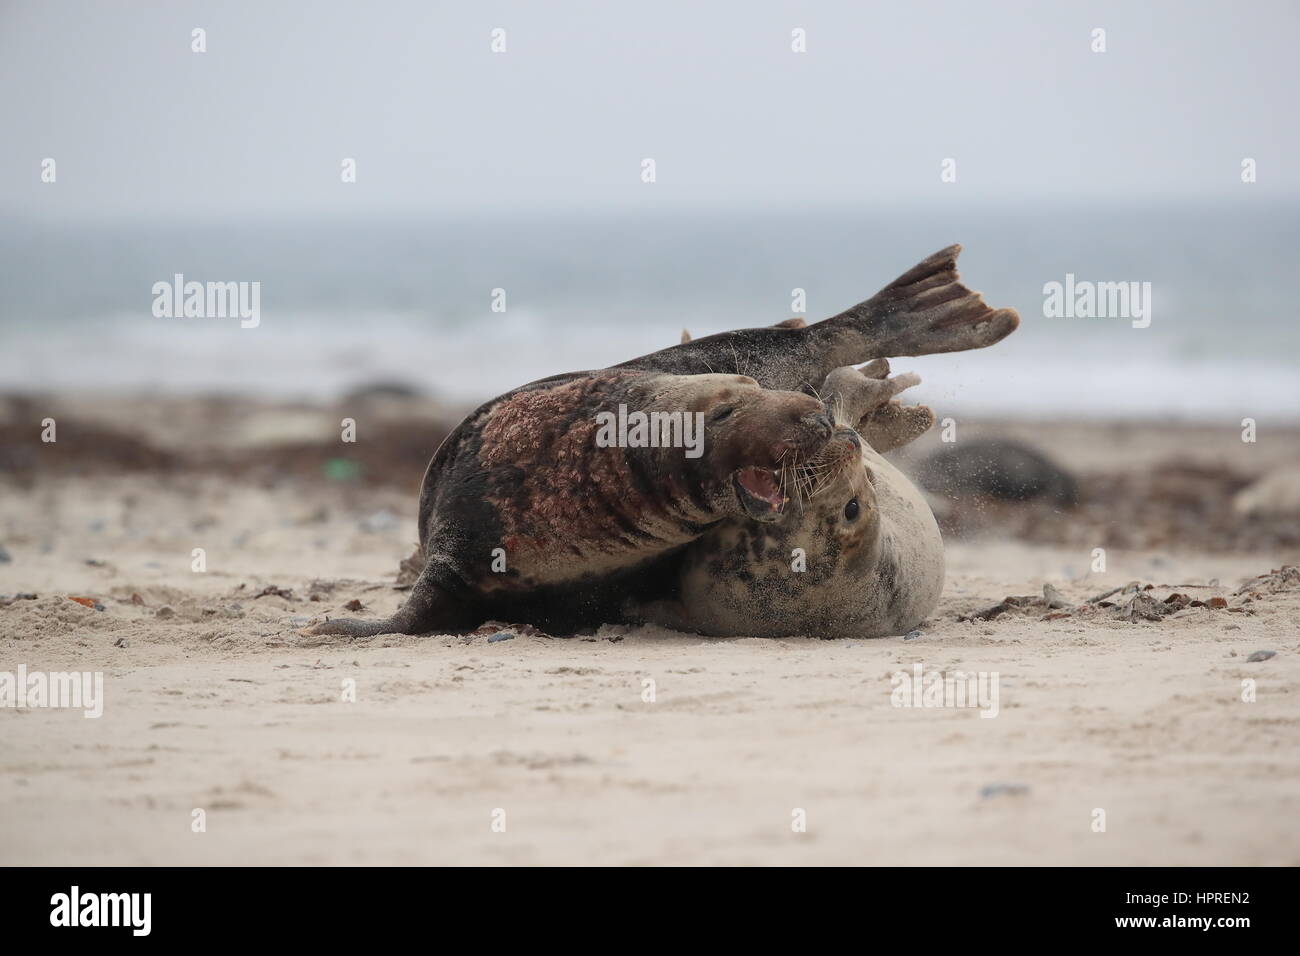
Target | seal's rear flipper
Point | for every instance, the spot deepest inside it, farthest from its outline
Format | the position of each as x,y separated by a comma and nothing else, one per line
924,311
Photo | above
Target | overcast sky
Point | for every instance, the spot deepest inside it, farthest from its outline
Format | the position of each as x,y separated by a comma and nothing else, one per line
259,124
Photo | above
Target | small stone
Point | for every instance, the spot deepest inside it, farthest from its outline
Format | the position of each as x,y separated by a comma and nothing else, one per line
4,555
912,635
1003,790
136,599
500,636
97,606
165,611
354,605
379,521
1053,599
272,590
1217,602
1258,656
1143,606
121,642
24,596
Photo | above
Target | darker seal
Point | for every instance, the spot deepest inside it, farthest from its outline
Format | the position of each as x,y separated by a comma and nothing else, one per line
526,515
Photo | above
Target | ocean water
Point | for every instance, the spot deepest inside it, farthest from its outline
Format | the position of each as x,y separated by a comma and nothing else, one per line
344,303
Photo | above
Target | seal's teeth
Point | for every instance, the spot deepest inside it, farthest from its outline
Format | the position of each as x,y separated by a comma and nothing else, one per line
764,484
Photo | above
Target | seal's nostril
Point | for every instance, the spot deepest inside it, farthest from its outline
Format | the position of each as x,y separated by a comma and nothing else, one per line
823,421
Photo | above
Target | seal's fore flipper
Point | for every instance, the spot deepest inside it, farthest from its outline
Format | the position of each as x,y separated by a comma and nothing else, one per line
894,425
851,395
863,399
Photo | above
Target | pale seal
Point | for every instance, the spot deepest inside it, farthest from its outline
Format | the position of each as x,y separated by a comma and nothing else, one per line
857,554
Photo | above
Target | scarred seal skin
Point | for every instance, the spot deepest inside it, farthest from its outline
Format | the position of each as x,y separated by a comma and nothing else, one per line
591,535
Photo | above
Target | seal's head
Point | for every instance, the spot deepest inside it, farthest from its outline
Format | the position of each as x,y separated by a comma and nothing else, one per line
753,439
836,518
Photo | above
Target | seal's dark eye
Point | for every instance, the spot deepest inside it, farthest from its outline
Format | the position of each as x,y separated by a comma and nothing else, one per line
720,413
851,509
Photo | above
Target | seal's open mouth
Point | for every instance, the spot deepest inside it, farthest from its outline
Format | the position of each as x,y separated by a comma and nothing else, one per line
759,492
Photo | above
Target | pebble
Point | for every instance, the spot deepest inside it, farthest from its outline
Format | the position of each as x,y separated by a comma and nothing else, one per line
1053,599
4,555
1258,656
912,635
1003,790
165,611
121,642
500,636
379,521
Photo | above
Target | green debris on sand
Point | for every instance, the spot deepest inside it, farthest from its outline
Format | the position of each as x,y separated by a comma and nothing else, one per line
342,469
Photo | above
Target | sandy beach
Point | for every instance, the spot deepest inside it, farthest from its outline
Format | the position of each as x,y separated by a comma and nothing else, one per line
511,747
